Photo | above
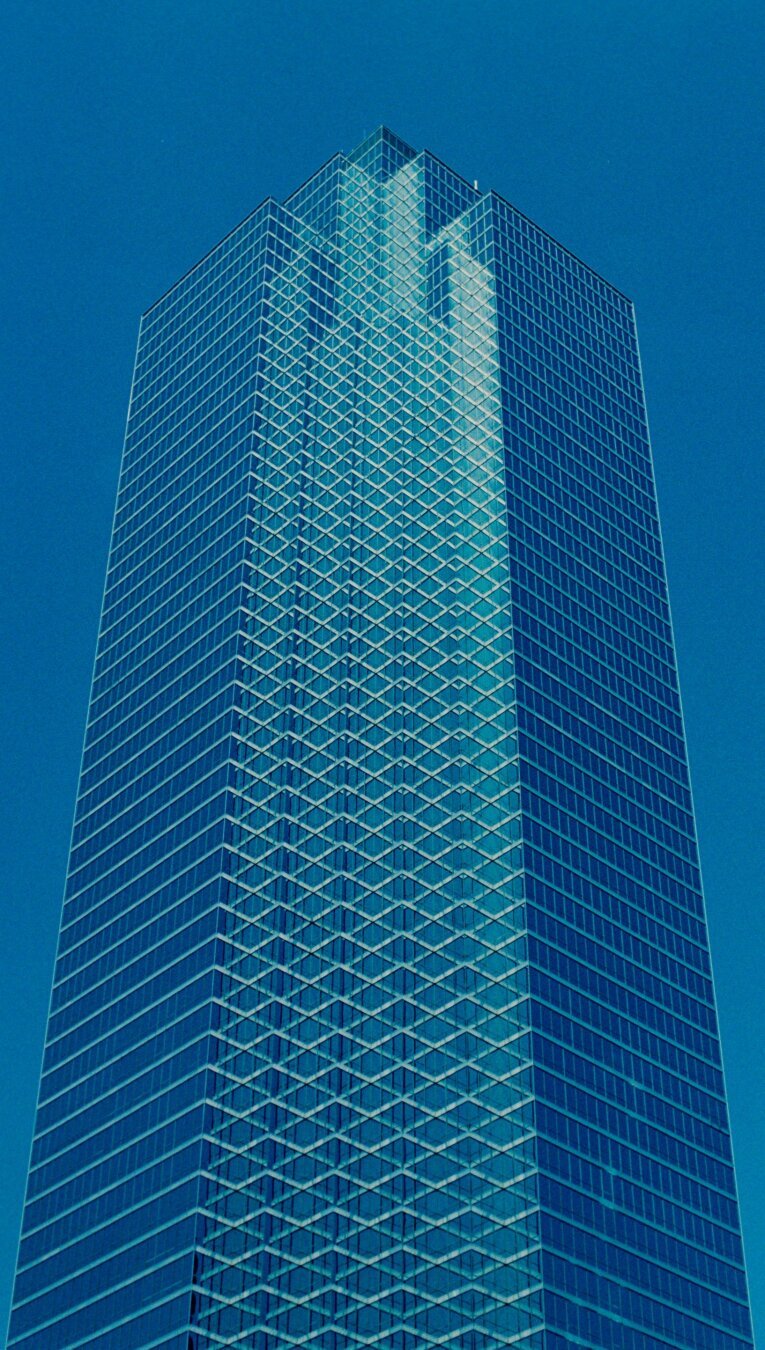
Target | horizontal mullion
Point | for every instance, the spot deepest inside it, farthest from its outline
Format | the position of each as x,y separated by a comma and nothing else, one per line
158,722
109,897
200,975
159,662
135,856
231,458
176,1053
112,802
238,401
218,376
139,954
180,665
209,356
141,760
119,833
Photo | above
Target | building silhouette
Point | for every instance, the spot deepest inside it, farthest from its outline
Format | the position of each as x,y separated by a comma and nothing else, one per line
383,1012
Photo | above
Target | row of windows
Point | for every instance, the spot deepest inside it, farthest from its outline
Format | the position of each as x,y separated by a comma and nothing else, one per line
593,599
602,320
161,565
197,396
577,381
452,843
211,338
165,994
641,1136
542,722
522,247
269,225
535,304
561,663
167,779
115,921
605,836
96,1255
320,277
328,720
629,1307
573,987
137,854
128,679
617,939
123,886
149,625
114,969
628,1095
555,343
533,555
122,1113
572,762
468,1294
530,518
592,412
238,325
612,817
316,202
232,406
581,716
69,1174
180,719
60,1120
630,1199
540,415
202,665
581,1011
124,780
608,1226
584,477
191,333
615,540
560,834
54,1214
558,265
213,670
199,422
577,899
619,936
585,850
662,1176
165,1273
131,762
631,979
390,1323
206,456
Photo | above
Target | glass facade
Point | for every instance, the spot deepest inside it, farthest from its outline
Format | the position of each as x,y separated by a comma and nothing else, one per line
382,1011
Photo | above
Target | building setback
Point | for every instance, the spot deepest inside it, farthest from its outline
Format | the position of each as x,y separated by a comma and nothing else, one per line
383,1013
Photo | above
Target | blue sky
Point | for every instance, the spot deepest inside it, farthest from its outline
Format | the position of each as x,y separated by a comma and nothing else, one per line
137,133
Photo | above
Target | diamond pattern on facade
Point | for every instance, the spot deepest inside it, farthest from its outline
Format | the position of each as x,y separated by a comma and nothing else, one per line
372,1117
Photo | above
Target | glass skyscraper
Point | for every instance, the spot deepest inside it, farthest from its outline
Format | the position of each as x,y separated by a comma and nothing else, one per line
382,1012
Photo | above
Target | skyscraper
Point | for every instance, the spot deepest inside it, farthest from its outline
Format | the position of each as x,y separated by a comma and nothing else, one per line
382,1011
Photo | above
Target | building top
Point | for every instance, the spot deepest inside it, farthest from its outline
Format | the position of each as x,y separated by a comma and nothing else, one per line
381,155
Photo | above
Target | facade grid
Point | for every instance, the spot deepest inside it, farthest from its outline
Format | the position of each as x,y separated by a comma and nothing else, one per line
382,1011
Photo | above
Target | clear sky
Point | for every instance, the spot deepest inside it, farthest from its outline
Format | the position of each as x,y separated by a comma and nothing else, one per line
138,132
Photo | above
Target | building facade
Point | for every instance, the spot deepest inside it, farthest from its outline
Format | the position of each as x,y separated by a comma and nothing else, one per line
382,1011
